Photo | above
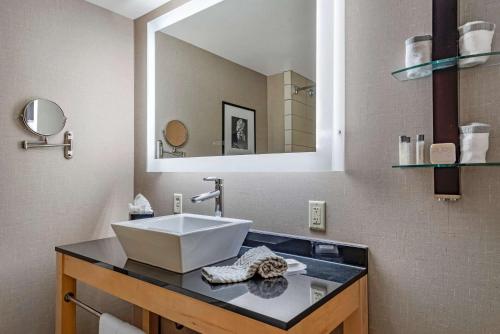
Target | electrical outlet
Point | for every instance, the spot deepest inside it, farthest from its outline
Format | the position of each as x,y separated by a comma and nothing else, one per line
177,203
317,292
317,215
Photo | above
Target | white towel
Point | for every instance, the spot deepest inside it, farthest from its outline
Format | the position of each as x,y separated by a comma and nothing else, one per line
111,325
295,266
259,260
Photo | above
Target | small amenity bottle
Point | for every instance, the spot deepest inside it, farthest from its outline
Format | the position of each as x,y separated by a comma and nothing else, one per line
420,150
404,150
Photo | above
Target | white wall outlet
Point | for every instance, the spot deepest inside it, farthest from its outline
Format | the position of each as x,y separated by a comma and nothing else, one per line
317,292
317,215
177,203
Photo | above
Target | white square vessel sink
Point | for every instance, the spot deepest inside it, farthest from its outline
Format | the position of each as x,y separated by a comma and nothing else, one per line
182,243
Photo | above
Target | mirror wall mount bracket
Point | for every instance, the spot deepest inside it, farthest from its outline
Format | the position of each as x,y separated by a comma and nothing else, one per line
43,143
447,198
161,153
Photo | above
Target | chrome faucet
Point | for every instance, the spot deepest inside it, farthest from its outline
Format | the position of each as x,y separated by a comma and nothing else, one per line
217,194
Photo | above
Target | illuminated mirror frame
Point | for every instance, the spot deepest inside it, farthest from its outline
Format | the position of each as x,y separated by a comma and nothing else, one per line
330,102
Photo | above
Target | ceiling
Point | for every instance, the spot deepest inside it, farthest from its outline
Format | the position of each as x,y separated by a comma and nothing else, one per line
267,36
129,8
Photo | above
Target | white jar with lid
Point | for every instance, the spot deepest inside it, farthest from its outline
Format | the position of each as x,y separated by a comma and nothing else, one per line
475,38
418,51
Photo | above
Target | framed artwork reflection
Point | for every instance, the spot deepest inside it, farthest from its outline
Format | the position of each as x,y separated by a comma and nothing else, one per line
238,129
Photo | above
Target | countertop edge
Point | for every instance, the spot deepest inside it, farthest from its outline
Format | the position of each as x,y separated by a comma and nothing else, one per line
242,311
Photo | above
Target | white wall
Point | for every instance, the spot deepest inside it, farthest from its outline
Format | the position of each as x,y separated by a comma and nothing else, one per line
81,57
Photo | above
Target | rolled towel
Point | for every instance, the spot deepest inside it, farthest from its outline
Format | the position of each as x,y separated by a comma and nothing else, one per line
108,324
268,288
259,260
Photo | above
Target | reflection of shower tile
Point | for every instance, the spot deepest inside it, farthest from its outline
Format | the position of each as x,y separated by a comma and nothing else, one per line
299,80
293,78
299,109
287,77
300,114
288,107
294,137
301,97
299,123
310,100
288,92
297,148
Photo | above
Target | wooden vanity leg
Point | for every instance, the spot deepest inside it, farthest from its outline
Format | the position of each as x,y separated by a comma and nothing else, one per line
357,323
150,322
65,312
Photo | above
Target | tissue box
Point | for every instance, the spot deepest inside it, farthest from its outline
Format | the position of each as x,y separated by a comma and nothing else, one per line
136,216
443,153
140,208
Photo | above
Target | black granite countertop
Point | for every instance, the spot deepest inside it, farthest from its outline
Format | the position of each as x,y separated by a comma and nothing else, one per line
281,302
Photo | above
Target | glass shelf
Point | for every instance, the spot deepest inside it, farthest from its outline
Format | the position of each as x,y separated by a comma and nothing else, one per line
457,165
426,69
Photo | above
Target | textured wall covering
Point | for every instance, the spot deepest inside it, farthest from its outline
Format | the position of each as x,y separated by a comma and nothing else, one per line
434,267
80,56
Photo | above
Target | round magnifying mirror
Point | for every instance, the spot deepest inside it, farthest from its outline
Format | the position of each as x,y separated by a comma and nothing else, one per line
176,133
43,117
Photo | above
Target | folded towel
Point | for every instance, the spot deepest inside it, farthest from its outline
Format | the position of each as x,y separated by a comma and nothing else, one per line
295,266
111,325
259,260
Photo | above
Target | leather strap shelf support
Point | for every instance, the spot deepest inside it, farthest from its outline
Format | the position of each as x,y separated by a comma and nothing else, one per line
445,94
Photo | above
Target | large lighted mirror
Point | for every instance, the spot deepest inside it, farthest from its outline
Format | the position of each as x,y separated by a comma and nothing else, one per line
252,82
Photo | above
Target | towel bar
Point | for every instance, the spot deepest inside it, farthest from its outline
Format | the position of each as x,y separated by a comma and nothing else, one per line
69,298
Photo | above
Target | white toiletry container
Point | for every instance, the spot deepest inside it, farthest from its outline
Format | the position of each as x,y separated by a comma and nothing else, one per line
474,142
475,38
418,51
404,150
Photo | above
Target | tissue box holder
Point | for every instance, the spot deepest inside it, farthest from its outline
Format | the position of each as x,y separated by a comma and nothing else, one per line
136,216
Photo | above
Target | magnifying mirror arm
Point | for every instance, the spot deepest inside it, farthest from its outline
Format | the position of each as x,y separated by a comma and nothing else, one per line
68,144
160,151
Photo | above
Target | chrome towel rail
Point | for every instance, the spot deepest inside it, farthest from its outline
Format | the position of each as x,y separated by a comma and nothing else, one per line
69,298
